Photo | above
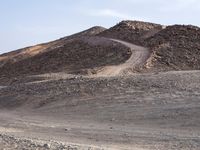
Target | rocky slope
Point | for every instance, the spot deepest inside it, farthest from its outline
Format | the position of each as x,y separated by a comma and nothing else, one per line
174,47
73,57
50,100
75,54
28,52
132,31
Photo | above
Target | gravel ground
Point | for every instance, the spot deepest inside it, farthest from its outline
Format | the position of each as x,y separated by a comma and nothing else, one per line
141,112
11,142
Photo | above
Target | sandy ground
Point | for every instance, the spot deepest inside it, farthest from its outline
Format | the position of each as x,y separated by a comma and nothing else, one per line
141,112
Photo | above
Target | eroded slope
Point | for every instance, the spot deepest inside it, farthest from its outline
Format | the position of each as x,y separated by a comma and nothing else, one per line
175,48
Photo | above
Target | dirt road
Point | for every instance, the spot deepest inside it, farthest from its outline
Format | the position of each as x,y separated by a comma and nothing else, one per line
138,58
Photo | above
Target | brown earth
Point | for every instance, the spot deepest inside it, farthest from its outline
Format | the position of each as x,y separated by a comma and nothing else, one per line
170,48
73,57
104,89
174,47
132,31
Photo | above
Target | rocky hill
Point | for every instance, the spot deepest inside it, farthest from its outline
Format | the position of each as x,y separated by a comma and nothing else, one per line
174,47
75,54
31,51
115,88
132,31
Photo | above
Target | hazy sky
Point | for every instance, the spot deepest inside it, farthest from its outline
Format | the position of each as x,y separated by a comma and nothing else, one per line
28,22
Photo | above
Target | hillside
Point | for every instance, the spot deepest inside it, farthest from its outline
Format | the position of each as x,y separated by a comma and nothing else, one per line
132,31
24,53
93,51
73,54
133,86
175,48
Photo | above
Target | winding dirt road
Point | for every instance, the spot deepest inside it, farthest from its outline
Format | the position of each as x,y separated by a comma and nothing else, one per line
138,58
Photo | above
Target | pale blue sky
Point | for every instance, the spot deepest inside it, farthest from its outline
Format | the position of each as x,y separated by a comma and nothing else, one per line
28,22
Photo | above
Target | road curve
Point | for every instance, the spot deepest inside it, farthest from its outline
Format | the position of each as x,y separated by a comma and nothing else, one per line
138,58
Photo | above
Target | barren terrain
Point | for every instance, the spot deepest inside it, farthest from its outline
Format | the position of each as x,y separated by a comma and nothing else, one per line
152,111
138,58
134,86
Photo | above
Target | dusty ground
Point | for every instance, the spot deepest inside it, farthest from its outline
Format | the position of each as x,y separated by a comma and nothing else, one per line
152,111
87,92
